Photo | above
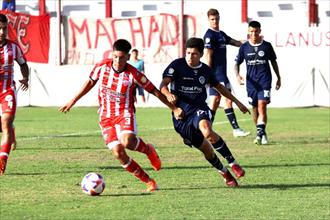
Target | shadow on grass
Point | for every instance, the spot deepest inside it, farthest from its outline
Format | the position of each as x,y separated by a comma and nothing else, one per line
106,168
285,186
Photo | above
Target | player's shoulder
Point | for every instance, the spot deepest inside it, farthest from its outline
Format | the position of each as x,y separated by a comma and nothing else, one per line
209,32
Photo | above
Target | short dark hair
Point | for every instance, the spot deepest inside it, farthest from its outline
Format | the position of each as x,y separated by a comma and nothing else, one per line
195,42
254,24
3,18
122,45
135,50
212,11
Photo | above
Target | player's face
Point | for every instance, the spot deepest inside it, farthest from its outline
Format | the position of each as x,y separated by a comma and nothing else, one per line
214,21
120,59
254,34
193,57
3,32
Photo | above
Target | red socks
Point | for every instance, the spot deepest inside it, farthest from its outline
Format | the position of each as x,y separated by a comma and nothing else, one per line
136,170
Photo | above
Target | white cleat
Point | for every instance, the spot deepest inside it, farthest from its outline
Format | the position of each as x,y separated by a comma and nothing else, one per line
240,132
264,140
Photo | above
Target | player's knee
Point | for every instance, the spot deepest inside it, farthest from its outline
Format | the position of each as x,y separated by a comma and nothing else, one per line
129,141
119,152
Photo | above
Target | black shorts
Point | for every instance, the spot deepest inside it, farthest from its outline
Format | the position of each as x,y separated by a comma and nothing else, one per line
188,127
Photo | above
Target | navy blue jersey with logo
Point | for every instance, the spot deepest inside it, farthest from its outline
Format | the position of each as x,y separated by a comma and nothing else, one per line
257,59
189,84
217,41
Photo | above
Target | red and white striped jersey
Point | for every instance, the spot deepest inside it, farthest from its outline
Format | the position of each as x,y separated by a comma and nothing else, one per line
8,53
117,90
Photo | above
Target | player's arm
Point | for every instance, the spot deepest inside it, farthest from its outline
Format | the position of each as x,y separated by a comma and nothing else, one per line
208,52
25,73
235,43
89,84
239,78
277,72
225,92
178,112
164,89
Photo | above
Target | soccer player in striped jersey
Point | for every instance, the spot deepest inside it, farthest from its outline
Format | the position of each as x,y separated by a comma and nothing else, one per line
257,53
9,52
117,84
189,79
216,58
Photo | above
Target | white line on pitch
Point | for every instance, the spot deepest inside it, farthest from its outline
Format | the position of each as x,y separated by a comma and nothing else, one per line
98,132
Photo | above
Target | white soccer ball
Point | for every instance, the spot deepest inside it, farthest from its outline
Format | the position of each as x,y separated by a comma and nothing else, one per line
93,184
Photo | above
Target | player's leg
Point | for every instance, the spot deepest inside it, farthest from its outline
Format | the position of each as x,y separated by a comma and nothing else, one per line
214,102
214,160
111,137
263,99
141,94
229,111
130,141
7,127
201,121
8,109
262,121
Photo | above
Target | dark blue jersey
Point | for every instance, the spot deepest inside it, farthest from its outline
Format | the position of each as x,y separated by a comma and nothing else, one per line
257,59
217,41
189,84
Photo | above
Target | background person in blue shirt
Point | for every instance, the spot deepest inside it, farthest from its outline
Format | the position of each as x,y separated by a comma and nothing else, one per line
189,79
216,57
139,65
257,53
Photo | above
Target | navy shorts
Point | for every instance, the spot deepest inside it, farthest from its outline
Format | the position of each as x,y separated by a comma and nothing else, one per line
214,92
188,127
256,92
140,90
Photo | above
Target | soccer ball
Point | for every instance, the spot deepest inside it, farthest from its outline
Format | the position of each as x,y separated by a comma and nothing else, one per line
92,184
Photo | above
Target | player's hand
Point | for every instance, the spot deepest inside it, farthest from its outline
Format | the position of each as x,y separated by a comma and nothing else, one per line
66,108
278,84
243,108
24,83
240,79
172,98
178,113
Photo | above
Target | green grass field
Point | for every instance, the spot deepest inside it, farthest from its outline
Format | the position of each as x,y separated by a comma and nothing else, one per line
288,179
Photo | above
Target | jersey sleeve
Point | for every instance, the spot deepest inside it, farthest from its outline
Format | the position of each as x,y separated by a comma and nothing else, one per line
141,79
169,71
272,54
227,38
240,56
20,58
208,40
95,73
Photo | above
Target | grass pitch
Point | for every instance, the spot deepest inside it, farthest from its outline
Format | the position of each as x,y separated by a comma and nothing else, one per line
288,179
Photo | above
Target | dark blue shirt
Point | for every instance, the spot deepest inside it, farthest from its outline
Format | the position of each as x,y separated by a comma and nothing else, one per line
217,41
189,84
257,59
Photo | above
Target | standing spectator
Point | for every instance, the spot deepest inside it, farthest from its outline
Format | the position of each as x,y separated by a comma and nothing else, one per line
216,57
139,65
117,111
257,53
189,78
9,51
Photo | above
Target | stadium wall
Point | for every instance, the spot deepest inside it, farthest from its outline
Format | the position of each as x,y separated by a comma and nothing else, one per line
303,56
